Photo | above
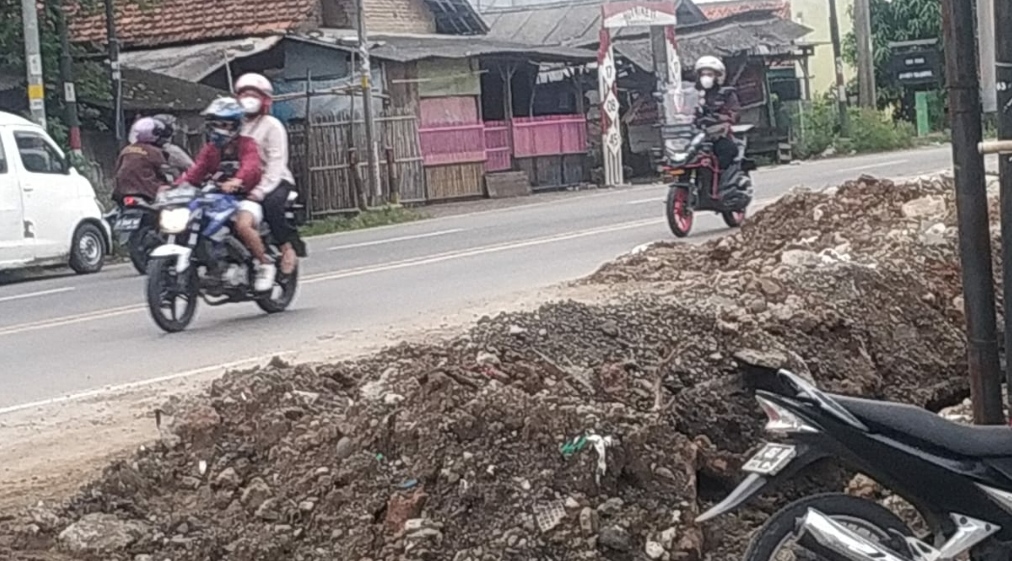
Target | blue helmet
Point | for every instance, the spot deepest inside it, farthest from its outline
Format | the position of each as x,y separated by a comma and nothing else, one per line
223,119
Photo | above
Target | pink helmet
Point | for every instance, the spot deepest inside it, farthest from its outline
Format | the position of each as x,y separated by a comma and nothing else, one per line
146,130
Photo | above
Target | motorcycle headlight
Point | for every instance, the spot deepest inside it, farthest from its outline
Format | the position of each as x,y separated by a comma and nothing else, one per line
174,220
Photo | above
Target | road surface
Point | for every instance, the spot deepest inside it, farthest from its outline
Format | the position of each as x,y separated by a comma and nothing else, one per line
65,335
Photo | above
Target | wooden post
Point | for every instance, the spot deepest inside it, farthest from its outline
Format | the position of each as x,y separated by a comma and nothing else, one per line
356,179
392,179
308,148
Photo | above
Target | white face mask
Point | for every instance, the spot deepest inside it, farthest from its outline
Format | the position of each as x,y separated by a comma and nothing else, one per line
706,82
251,105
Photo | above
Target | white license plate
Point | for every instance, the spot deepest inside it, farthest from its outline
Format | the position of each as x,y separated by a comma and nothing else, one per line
128,224
771,459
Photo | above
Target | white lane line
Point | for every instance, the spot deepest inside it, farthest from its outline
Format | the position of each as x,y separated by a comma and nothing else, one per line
225,366
644,201
873,166
321,277
395,240
37,294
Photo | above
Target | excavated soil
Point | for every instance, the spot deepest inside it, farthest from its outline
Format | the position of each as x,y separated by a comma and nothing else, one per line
576,431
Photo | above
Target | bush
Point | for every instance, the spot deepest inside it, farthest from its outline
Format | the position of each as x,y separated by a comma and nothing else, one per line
870,131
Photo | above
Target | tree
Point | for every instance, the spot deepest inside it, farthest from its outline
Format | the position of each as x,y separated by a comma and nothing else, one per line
89,76
895,20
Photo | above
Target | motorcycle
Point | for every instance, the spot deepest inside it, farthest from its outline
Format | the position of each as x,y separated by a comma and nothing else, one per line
135,225
696,181
202,258
958,478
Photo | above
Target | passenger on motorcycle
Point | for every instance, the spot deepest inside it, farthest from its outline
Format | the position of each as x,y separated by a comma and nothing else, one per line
223,120
256,95
139,166
718,108
179,161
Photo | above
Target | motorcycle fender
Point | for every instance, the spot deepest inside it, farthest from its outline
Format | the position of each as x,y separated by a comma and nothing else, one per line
182,255
755,484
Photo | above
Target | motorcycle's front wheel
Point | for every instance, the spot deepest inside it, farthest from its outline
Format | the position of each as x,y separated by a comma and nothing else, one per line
167,289
776,538
678,209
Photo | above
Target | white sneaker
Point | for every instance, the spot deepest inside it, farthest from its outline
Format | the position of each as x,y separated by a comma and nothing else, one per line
265,277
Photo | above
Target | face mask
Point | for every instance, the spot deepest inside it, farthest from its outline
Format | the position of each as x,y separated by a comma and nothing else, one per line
251,105
706,82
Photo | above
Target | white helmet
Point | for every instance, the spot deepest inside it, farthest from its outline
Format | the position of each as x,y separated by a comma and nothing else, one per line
256,82
710,63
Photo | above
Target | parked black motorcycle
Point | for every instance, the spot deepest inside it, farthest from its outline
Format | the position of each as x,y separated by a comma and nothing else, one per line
958,477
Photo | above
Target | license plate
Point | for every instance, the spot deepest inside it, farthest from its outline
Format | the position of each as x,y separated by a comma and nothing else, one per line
771,459
128,224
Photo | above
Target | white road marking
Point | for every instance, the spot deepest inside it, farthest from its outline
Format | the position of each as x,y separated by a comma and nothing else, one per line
321,277
225,366
37,294
644,201
873,166
397,239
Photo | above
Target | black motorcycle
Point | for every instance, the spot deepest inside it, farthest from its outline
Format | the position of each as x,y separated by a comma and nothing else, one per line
958,477
135,224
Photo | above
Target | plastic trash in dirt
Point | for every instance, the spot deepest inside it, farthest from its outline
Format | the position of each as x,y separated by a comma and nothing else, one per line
548,515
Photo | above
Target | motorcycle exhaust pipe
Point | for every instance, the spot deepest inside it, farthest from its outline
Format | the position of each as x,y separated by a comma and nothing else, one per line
843,543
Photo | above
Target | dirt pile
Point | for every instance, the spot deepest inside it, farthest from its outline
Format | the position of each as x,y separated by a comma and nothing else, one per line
573,432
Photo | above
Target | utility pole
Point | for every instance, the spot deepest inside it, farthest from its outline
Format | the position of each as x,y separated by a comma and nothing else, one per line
375,185
841,88
867,96
971,210
67,76
1002,13
115,76
986,44
33,62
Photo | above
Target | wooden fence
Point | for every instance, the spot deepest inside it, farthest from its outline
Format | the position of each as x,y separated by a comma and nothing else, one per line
323,165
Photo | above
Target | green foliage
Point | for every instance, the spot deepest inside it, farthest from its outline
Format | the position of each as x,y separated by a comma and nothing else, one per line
869,131
90,77
373,218
895,20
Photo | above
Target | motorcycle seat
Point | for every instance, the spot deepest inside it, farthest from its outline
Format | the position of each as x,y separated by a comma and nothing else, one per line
924,429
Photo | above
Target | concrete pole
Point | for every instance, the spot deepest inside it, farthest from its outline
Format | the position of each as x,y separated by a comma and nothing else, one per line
865,54
33,62
841,88
67,77
1002,94
986,44
375,185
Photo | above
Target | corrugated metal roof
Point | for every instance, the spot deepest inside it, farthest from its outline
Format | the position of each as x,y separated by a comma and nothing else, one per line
195,62
752,33
411,47
574,23
725,8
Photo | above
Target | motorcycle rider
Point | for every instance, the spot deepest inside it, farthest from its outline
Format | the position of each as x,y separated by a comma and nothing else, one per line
177,158
256,94
719,109
223,122
139,166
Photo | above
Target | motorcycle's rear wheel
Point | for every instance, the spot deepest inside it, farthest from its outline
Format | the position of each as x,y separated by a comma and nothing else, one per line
868,518
141,244
733,219
165,288
283,293
678,209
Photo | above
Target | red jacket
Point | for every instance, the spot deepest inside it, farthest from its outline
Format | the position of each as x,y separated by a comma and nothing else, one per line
208,162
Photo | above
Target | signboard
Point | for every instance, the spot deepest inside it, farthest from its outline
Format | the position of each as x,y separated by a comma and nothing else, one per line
638,14
917,67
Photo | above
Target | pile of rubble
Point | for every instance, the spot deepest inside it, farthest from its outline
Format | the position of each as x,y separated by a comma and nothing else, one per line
577,431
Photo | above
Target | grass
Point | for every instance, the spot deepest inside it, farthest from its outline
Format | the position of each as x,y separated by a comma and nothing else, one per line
373,218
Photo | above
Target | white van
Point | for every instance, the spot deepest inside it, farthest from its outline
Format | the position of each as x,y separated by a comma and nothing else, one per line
49,214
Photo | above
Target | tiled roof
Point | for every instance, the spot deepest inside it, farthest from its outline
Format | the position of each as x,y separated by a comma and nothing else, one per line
177,21
718,10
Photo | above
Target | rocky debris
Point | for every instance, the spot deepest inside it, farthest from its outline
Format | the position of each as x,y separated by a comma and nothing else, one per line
493,445
101,533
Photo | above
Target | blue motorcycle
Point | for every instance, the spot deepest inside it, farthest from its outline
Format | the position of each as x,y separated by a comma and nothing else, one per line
202,258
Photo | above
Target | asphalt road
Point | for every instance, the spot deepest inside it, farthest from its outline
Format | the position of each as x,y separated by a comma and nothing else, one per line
67,334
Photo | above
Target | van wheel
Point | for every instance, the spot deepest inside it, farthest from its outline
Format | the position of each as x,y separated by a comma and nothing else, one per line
87,253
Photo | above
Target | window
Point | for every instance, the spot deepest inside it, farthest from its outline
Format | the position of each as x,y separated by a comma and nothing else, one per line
3,159
37,154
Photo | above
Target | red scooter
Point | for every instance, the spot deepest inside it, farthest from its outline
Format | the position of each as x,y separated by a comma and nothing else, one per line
698,184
